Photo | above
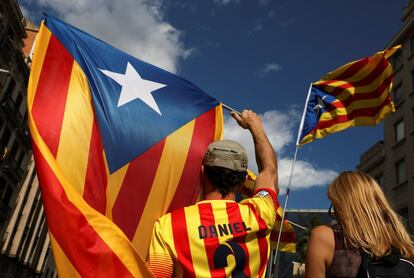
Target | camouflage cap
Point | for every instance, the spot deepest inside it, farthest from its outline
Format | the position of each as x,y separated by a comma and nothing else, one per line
227,154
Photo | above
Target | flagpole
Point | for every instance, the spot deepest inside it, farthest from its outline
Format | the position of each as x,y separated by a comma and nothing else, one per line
276,251
303,114
275,257
230,109
297,225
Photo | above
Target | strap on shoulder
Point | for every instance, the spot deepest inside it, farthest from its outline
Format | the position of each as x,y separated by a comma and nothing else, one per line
366,259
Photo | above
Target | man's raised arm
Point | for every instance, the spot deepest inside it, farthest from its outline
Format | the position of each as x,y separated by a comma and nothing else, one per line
265,155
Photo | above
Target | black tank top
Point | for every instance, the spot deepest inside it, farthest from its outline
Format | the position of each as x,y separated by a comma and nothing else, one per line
346,260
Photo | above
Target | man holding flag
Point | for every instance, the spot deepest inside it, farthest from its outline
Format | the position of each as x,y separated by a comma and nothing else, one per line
197,240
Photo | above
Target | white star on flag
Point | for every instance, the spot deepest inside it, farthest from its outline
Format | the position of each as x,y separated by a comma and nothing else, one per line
321,103
134,86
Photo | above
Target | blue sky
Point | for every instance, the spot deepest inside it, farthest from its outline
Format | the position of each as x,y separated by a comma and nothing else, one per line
260,55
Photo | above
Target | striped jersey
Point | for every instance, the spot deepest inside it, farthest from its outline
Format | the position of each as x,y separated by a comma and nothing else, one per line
214,238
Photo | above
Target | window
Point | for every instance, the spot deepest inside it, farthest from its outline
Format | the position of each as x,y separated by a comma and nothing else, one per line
397,93
10,35
412,119
20,159
396,61
3,185
3,77
400,171
379,179
10,87
7,195
4,138
412,45
14,150
412,80
403,212
411,110
18,100
399,132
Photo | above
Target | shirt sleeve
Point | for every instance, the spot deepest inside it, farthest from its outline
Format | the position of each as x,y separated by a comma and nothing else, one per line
159,259
265,203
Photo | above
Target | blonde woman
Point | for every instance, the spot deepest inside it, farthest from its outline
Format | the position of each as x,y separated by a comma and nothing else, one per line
366,222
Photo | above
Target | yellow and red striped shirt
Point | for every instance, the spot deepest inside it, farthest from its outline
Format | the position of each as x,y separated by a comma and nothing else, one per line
214,238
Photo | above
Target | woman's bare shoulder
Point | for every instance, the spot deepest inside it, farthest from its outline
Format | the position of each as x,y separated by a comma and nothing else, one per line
323,233
320,251
323,229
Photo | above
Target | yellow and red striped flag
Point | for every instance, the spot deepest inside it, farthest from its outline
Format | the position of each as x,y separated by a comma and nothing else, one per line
117,143
356,94
288,236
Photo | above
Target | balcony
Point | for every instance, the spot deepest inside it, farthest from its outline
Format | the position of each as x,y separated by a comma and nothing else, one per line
6,49
15,17
24,132
21,65
10,167
13,56
5,211
12,111
374,151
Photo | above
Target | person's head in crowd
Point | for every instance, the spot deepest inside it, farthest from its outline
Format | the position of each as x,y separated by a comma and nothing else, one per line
366,217
225,165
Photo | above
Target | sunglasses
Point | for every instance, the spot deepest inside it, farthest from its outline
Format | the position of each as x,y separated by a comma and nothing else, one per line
331,212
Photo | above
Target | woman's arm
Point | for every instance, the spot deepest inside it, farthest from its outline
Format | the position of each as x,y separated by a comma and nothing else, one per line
321,247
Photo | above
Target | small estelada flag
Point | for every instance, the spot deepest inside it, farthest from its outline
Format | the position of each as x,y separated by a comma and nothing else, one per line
356,94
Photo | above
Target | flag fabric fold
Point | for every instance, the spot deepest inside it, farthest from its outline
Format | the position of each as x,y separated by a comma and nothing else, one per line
117,143
288,236
356,94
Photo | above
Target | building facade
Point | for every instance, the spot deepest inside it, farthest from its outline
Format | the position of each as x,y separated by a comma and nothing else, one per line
14,140
391,160
24,249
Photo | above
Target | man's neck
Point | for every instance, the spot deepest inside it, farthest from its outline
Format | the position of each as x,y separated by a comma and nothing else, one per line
216,195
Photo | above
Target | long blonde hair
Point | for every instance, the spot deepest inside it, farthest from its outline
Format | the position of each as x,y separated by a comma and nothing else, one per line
366,217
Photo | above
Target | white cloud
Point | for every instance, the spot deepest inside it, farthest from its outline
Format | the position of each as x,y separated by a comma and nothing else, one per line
270,67
225,2
259,26
24,10
281,128
135,26
263,2
27,13
305,174
278,125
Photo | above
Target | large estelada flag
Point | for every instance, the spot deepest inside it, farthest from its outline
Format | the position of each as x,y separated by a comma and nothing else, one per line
117,143
356,94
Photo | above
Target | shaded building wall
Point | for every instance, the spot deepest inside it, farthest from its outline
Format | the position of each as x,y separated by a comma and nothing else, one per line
24,249
14,141
391,161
